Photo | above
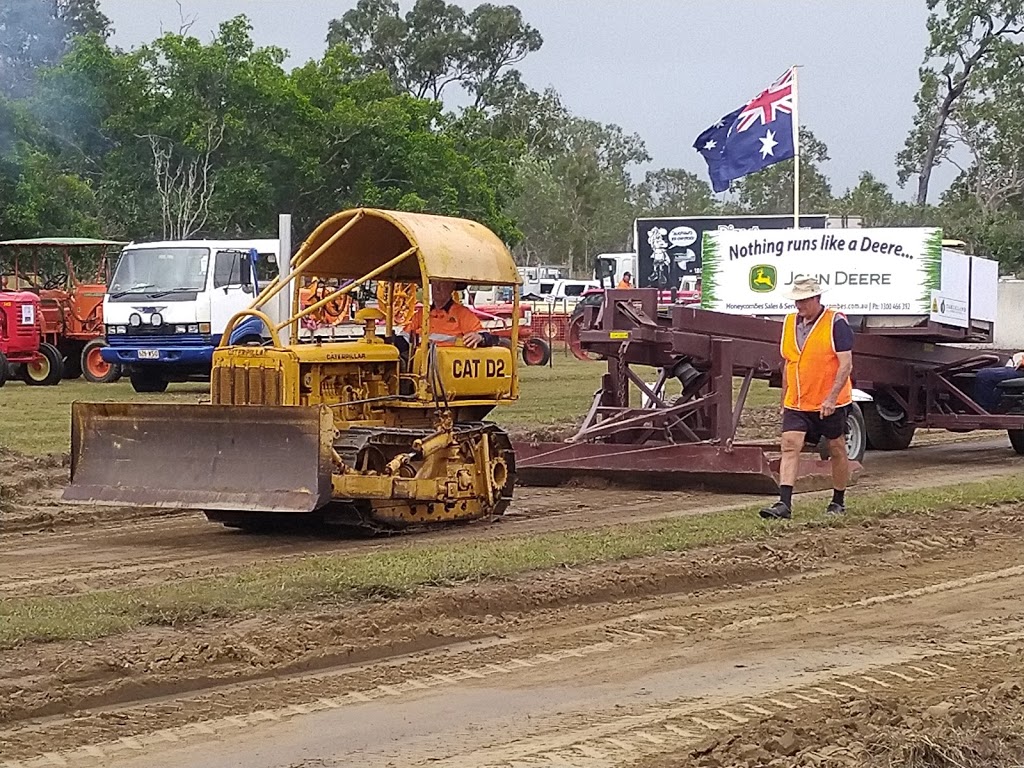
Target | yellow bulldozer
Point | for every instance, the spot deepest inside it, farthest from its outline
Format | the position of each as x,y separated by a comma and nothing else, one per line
383,432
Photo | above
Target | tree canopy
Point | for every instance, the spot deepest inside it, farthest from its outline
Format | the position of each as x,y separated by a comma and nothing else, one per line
182,137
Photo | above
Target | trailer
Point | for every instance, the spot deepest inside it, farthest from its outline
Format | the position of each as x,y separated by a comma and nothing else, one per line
913,369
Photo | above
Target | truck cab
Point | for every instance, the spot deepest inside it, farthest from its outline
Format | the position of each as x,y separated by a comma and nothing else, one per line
169,302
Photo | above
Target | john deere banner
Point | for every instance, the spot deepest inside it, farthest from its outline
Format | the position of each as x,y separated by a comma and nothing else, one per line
668,249
890,271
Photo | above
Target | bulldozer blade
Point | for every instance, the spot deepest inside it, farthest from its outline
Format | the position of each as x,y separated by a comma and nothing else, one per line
205,457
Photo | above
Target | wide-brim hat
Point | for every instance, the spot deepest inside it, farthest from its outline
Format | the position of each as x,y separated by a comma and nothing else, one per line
803,288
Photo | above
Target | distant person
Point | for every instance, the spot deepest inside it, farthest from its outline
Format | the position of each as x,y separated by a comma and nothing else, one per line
626,281
817,355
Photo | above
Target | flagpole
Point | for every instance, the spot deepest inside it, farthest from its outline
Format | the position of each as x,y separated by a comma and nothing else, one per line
796,154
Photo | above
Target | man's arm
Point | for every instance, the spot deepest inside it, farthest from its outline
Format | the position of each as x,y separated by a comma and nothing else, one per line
845,369
782,403
472,330
842,340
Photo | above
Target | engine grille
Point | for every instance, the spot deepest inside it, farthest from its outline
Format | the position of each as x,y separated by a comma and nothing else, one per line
245,385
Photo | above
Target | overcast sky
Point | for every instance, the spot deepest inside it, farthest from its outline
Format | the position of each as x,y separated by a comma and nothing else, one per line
665,69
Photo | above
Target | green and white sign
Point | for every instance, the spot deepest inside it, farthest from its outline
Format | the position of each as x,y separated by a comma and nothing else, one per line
890,271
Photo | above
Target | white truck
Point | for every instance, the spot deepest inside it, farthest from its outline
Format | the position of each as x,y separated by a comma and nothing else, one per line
169,302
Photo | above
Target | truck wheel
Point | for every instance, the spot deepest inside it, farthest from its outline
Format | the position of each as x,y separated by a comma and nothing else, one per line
46,370
885,435
147,381
95,368
536,352
1017,440
4,370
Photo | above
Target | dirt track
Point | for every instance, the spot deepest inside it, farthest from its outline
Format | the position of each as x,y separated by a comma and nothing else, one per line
57,549
666,661
600,667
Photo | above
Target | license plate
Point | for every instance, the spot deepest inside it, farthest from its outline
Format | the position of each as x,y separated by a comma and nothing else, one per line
149,354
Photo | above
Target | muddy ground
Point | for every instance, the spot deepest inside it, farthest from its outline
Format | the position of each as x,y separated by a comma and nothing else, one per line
822,647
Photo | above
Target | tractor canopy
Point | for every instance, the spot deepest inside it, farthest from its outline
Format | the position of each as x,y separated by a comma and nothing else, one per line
361,240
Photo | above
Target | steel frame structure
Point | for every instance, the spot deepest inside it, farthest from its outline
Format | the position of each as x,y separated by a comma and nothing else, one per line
692,437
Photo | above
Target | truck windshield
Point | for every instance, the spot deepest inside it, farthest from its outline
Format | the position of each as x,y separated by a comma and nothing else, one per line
154,270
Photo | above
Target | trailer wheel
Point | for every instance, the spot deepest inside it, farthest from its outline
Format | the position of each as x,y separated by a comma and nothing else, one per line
147,381
1017,440
46,370
4,369
856,436
885,435
536,352
95,368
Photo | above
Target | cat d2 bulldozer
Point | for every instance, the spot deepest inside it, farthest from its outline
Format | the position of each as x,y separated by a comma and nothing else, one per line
382,432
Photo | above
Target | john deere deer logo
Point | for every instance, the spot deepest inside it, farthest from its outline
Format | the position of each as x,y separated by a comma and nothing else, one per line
763,278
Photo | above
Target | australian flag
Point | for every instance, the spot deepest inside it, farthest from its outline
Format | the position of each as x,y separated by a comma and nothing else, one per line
752,137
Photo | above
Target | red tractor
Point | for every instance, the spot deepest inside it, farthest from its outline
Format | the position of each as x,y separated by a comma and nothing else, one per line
21,340
71,310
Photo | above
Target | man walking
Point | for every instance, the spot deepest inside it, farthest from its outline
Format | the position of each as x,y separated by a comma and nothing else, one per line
817,356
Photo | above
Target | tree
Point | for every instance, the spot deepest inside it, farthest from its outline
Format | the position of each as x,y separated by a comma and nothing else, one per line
37,196
35,34
674,192
578,202
184,138
965,38
499,38
871,200
771,190
990,126
437,45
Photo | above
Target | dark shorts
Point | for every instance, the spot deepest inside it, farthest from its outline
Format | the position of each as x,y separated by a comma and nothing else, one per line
815,427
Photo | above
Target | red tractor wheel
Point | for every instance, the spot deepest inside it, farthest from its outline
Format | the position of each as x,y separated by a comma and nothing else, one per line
4,369
95,368
536,351
575,324
46,369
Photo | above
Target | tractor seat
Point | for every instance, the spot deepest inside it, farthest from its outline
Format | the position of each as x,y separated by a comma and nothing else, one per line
1015,386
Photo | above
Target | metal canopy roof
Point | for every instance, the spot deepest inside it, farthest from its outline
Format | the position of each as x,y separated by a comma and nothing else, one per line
446,248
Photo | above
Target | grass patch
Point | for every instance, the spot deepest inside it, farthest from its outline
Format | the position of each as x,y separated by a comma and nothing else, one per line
37,420
336,578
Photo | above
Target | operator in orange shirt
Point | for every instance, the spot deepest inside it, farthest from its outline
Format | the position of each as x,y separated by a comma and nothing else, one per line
449,321
626,281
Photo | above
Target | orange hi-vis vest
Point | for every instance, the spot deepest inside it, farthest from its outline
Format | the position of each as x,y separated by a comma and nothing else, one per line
811,371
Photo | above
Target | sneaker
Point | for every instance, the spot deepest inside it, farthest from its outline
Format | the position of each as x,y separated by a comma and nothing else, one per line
777,511
835,508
